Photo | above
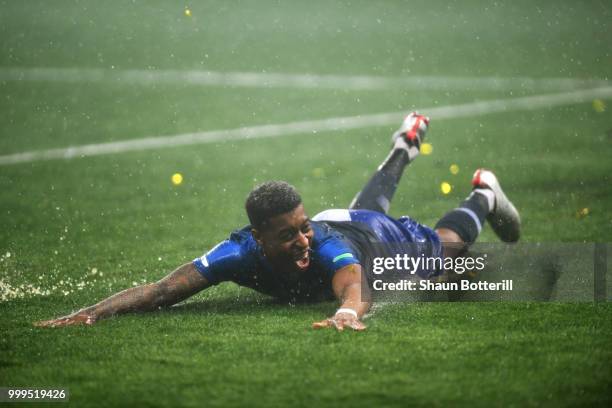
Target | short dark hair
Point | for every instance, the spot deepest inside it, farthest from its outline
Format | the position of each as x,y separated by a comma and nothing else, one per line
270,199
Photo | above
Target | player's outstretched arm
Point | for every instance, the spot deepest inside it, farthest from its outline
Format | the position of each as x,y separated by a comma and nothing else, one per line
353,302
184,282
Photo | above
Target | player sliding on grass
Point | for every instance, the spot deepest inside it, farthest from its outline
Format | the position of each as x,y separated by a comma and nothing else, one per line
285,254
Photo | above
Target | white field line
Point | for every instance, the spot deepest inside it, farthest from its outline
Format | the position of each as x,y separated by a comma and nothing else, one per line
280,80
311,126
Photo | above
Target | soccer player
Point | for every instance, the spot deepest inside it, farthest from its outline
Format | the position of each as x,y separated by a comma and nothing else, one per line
286,254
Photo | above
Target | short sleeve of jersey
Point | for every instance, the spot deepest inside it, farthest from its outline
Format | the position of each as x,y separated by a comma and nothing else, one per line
334,252
220,263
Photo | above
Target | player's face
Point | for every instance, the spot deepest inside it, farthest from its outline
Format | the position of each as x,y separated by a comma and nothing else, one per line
286,240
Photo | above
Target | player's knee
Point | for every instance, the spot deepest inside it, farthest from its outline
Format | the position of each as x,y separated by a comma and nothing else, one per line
448,235
452,243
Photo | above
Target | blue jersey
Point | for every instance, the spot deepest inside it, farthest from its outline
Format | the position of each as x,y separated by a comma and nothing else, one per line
341,238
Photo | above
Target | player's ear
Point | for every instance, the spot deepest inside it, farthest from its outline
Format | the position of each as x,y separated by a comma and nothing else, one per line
257,235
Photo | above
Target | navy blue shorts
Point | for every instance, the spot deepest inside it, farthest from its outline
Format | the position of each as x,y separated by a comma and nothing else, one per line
403,235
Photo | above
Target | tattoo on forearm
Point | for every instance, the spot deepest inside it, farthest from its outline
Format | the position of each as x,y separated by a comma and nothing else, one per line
172,289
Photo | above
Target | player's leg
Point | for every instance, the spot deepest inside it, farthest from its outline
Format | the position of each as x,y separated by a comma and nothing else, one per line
461,226
379,190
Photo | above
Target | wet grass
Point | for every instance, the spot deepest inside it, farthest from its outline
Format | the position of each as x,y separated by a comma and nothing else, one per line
79,230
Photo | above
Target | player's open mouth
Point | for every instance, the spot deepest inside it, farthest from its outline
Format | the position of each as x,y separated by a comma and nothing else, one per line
303,260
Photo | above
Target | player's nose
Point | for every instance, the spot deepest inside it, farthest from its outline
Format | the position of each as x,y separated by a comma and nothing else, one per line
302,240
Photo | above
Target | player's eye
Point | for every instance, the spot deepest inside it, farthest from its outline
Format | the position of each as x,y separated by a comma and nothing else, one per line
306,228
287,235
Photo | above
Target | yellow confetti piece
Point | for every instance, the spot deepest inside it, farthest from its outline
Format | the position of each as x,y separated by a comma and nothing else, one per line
187,12
599,106
583,212
426,149
318,172
454,169
177,178
445,187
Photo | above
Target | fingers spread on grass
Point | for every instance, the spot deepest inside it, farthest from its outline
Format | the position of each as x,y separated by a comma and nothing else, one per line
322,324
47,323
67,321
358,325
339,324
60,322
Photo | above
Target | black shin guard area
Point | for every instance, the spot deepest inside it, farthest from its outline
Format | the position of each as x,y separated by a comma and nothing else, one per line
478,204
462,223
378,192
468,219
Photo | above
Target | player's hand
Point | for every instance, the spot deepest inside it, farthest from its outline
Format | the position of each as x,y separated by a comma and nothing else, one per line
340,321
80,317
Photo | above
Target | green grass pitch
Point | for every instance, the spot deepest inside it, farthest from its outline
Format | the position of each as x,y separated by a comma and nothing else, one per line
82,229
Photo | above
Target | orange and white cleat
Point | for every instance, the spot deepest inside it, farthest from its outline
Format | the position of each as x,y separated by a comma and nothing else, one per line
504,217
